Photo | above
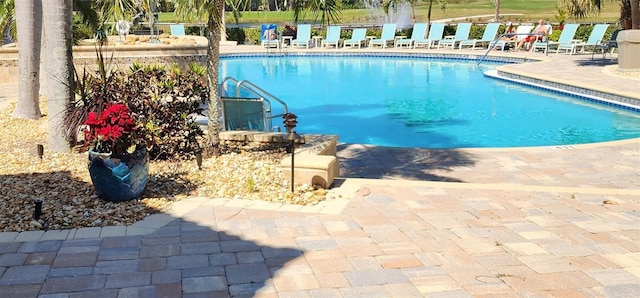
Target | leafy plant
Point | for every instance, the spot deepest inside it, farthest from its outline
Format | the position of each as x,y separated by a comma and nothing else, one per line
561,16
162,101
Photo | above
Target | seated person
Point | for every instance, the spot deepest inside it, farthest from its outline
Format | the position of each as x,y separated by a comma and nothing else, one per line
538,33
509,30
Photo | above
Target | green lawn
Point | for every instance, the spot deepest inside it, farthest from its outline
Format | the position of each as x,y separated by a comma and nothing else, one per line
531,10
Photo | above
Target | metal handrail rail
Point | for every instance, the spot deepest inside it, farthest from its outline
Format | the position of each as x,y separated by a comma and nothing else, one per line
257,91
495,41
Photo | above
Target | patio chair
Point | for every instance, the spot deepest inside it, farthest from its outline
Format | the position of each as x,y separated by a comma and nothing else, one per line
489,35
521,32
595,38
462,33
333,37
607,46
436,31
566,36
177,29
358,38
418,33
303,36
387,37
268,36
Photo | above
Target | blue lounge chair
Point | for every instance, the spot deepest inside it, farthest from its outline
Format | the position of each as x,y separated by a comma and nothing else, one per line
358,38
303,36
268,36
435,34
489,35
418,33
462,33
566,36
387,37
177,29
595,38
333,37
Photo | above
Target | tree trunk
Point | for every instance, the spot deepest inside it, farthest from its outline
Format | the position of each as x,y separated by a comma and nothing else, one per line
213,53
635,14
29,23
59,69
497,17
429,17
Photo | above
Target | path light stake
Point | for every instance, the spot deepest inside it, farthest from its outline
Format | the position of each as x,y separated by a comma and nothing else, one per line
199,159
292,137
40,150
37,209
290,122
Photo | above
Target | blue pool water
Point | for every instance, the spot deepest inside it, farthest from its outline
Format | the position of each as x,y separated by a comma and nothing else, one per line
405,102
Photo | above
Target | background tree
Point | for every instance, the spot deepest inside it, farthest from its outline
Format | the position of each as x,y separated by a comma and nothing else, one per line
58,68
29,24
496,3
7,20
635,14
629,11
324,11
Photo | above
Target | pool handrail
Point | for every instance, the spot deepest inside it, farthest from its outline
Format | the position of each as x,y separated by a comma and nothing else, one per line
258,92
495,41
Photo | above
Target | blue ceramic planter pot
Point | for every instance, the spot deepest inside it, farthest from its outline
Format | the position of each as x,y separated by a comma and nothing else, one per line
119,178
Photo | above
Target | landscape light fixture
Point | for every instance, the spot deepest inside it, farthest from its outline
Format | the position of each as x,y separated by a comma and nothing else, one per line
37,204
40,150
199,159
292,137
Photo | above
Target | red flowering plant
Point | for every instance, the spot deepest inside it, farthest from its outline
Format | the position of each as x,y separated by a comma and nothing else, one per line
112,131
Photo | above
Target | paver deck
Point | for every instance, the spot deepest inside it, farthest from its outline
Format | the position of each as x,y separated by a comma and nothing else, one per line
546,221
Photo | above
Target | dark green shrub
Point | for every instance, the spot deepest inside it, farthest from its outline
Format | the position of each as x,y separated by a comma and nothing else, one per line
449,30
252,35
555,35
236,34
81,31
194,30
476,31
583,32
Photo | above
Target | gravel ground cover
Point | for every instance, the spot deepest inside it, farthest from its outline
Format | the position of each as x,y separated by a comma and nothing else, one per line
62,182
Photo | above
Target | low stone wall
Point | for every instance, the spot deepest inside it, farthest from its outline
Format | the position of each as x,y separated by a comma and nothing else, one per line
169,50
315,159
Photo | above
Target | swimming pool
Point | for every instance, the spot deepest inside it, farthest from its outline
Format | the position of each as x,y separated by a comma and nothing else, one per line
400,101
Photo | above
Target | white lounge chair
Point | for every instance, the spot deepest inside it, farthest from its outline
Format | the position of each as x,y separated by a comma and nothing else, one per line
333,37
303,36
595,38
521,32
418,33
387,37
489,35
436,31
462,33
358,38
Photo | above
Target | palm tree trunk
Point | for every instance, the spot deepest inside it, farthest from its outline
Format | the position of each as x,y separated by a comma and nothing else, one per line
29,23
635,14
59,69
213,53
